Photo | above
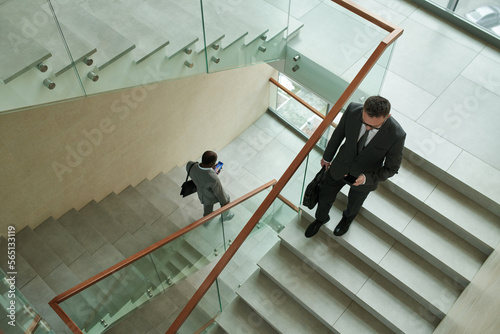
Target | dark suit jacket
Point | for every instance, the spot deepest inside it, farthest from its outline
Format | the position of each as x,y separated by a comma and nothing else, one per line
378,161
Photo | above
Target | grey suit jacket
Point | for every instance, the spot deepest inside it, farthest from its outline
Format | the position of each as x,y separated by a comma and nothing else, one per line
378,161
208,185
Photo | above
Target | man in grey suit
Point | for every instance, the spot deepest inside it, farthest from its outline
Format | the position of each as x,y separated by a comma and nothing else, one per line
371,153
208,185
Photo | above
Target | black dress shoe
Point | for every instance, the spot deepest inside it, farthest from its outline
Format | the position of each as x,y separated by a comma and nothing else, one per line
342,227
313,228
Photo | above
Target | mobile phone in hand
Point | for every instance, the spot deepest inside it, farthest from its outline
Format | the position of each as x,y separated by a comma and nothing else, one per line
218,167
350,179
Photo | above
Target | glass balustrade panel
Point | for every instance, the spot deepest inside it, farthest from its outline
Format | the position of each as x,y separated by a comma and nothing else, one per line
35,65
222,292
334,44
133,43
240,33
99,307
17,313
236,282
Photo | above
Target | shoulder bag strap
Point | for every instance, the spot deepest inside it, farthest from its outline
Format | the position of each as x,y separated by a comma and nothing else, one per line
189,170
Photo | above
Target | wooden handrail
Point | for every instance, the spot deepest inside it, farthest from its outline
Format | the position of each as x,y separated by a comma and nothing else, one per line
395,32
298,99
54,303
34,324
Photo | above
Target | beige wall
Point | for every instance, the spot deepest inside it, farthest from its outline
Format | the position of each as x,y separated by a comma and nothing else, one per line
62,156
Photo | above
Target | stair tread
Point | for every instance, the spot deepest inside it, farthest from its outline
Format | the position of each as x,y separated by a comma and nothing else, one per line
156,197
121,212
147,211
402,306
431,281
239,315
109,43
25,272
268,300
146,40
217,14
398,308
448,248
38,293
59,240
174,13
328,255
313,291
172,190
178,38
84,233
430,238
421,277
469,216
15,63
36,253
93,214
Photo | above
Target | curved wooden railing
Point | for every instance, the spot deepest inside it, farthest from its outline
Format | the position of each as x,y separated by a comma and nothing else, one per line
54,303
394,33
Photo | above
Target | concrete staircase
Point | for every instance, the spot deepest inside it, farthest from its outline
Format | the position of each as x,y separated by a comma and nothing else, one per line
407,257
102,34
61,253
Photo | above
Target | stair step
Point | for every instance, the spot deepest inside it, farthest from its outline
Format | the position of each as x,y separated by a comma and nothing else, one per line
480,224
315,293
36,253
147,211
175,12
104,223
278,309
109,43
156,197
122,213
25,272
219,14
59,240
84,233
146,40
59,61
447,251
178,38
428,238
238,316
404,268
38,293
16,62
172,190
464,217
399,311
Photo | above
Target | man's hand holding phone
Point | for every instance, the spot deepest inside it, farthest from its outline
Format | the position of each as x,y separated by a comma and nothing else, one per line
355,181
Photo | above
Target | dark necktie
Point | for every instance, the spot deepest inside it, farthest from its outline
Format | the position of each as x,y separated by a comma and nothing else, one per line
362,141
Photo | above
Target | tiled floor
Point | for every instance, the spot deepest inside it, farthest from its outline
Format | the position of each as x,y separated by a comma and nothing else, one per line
444,84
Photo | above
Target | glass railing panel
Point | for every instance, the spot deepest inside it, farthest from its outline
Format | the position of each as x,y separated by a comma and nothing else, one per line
102,305
248,32
135,43
224,292
35,65
16,312
333,45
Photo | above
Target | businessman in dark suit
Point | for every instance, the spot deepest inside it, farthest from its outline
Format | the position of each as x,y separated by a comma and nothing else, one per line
371,153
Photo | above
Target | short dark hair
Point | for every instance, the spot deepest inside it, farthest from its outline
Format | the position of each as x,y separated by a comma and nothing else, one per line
377,106
209,158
